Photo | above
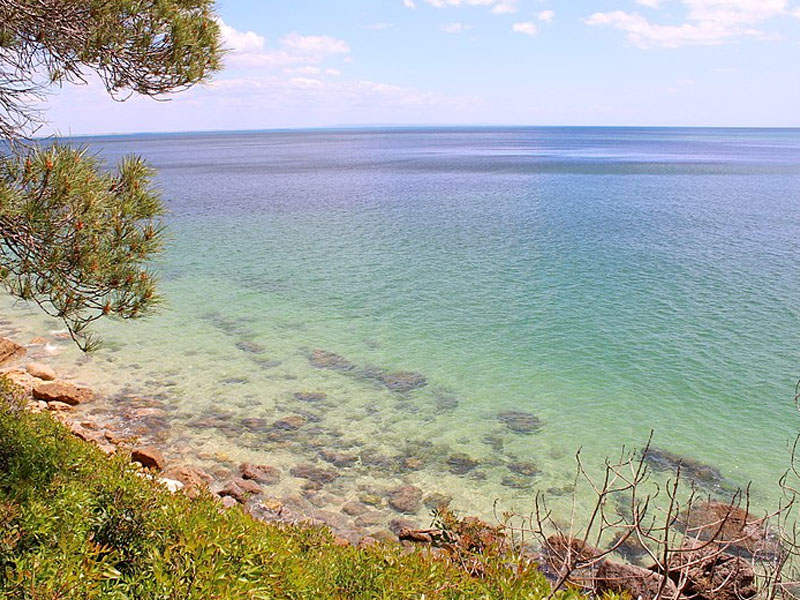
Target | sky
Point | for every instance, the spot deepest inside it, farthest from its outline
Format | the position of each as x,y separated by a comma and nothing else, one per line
338,63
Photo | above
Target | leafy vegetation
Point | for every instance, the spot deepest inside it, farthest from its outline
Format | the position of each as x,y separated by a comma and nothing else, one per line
76,524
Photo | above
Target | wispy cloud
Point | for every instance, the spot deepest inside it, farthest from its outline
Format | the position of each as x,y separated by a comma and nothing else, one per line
498,7
546,16
707,22
456,28
526,28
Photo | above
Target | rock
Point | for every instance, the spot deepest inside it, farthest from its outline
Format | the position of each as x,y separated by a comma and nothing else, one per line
370,519
290,423
249,486
354,508
228,501
21,379
691,469
172,485
526,469
41,371
38,341
341,542
516,482
630,548
406,499
403,381
149,458
368,542
194,479
233,490
733,526
371,499
264,474
461,464
56,406
437,501
562,550
61,391
322,359
520,422
310,396
9,350
254,424
411,463
251,347
635,581
711,574
396,526
339,459
314,473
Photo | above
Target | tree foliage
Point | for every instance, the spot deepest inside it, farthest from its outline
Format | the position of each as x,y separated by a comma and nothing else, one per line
74,238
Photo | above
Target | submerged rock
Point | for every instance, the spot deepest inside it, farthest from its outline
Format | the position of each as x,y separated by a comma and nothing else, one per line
354,508
403,381
437,501
314,473
311,396
516,482
461,464
251,347
690,469
322,359
339,459
526,469
406,499
265,474
254,424
520,422
370,519
290,423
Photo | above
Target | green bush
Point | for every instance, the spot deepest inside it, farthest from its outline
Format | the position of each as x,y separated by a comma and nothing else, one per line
75,524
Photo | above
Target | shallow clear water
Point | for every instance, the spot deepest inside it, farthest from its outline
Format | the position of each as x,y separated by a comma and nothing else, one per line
608,281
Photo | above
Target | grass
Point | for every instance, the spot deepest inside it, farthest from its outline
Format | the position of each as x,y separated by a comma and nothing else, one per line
75,524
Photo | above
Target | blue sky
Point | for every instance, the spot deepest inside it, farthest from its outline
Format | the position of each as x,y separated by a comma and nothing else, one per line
320,63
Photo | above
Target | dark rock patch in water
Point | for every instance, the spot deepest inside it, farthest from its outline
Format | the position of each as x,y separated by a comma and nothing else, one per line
524,468
461,464
312,397
229,326
437,500
406,499
338,459
264,474
691,470
370,519
517,482
520,422
322,359
354,508
314,473
234,380
403,381
251,347
445,401
254,424
290,423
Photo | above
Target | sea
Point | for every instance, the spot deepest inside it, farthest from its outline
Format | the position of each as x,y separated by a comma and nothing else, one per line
465,310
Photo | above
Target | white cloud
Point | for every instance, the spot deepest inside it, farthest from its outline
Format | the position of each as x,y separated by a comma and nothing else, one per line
410,4
526,28
307,70
650,3
456,28
333,72
249,50
498,7
707,22
546,16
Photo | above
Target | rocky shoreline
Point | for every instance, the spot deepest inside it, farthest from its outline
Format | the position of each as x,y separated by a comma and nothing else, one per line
138,426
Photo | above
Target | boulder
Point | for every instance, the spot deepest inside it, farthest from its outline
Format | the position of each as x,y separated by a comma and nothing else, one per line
520,422
149,458
233,490
339,459
437,501
61,391
711,574
732,526
406,499
41,371
290,423
562,550
370,519
21,379
637,582
194,479
264,474
9,350
461,464
228,501
57,406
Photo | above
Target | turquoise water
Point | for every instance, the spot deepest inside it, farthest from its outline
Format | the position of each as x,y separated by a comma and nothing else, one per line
608,281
